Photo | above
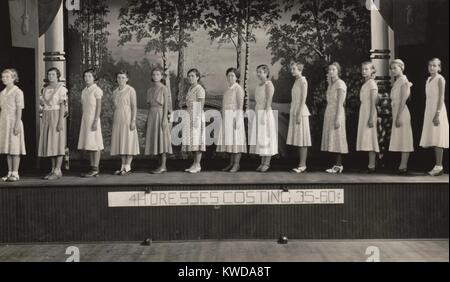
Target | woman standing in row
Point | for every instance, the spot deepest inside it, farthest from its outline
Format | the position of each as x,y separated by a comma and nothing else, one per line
196,139
158,140
367,139
12,140
52,138
265,132
299,133
124,136
401,133
334,136
91,139
435,131
232,137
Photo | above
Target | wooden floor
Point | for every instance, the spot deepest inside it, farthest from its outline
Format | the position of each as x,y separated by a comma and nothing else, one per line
219,178
236,251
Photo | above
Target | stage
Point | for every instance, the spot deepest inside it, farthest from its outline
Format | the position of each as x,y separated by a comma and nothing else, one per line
75,209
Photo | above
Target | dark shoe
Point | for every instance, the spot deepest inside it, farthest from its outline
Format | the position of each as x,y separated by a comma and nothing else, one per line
124,172
370,170
159,171
228,167
235,168
92,173
54,176
118,172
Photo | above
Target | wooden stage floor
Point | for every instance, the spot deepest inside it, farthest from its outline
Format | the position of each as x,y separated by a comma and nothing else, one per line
224,178
235,251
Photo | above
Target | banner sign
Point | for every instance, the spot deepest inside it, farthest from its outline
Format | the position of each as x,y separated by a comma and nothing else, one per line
225,197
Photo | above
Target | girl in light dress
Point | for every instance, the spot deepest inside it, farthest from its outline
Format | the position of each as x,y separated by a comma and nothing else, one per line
334,136
12,140
196,139
401,133
367,139
299,132
232,137
264,133
124,136
435,125
158,139
52,138
91,139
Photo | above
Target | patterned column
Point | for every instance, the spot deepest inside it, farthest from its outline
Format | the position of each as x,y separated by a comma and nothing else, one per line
380,56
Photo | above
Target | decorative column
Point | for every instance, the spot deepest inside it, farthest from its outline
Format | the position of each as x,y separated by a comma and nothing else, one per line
380,56
54,55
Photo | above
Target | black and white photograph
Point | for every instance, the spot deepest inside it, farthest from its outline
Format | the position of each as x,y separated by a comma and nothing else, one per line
234,132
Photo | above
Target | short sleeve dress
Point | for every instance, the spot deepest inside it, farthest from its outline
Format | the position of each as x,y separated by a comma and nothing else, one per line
334,140
299,134
90,140
434,136
124,141
52,142
231,136
401,137
157,139
367,139
263,135
10,101
194,138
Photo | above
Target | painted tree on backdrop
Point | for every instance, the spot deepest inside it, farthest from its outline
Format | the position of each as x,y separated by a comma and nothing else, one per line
166,25
233,22
91,26
319,32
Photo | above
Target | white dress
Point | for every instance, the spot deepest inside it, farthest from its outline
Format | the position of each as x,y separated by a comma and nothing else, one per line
194,138
90,140
263,126
299,133
334,140
401,137
434,136
231,138
367,139
51,141
10,101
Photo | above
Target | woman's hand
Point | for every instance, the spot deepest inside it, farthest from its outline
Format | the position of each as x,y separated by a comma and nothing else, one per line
133,125
94,125
17,128
165,123
436,121
337,125
299,118
370,123
59,126
398,123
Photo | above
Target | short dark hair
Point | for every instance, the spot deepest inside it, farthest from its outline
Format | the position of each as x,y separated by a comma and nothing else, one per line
125,72
58,72
236,72
93,72
265,68
194,70
159,69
